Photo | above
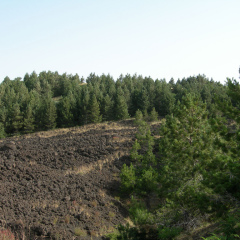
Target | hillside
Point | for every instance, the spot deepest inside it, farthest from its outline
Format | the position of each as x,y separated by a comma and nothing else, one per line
64,184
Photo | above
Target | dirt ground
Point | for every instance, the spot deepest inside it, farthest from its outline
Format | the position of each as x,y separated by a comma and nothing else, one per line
64,184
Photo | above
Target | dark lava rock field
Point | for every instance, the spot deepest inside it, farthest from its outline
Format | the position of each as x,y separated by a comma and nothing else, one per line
64,184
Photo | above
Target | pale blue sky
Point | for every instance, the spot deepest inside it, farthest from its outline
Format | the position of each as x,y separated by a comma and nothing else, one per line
157,38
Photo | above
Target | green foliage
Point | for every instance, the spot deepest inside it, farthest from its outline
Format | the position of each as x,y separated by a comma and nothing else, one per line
187,146
230,226
2,131
107,108
94,110
30,81
144,135
135,156
165,98
165,233
139,214
147,181
138,117
121,108
153,115
191,174
126,233
15,117
65,110
115,99
80,232
28,120
47,113
128,178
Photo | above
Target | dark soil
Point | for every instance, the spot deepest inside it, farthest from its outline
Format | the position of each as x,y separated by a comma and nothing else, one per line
64,184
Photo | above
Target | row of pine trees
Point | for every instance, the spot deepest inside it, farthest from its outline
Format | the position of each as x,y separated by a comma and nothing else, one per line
49,100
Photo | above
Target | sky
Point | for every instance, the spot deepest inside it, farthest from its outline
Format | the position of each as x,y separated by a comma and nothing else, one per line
156,38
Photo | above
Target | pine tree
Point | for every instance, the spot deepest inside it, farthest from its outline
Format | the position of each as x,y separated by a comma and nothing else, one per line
153,115
2,131
14,121
121,108
193,167
94,110
31,81
28,120
138,117
107,108
65,110
47,113
229,128
84,106
165,99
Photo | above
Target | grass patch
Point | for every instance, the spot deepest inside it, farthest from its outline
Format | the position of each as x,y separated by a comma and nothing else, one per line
80,232
111,214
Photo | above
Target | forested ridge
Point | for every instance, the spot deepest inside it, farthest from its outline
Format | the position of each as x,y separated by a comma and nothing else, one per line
186,177
49,100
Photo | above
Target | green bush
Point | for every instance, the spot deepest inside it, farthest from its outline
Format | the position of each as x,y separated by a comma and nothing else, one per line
128,178
2,132
165,233
139,214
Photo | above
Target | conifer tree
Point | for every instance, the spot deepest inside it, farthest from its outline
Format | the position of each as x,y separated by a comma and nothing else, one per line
28,120
143,173
65,110
2,130
14,120
229,128
94,110
153,115
164,98
121,108
193,166
3,114
47,113
84,106
138,117
107,108
30,81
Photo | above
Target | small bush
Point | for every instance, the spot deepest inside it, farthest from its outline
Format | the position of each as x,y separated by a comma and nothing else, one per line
80,232
128,178
111,214
165,233
153,115
138,117
139,214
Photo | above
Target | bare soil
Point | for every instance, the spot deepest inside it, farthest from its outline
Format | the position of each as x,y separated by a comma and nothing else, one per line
64,184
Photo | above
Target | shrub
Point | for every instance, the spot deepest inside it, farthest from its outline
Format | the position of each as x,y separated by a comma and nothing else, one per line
80,232
165,233
128,178
153,115
138,117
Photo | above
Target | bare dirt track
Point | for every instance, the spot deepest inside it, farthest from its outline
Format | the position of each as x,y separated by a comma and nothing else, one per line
64,184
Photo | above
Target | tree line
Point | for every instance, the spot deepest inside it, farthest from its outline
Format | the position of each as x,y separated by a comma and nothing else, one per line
49,100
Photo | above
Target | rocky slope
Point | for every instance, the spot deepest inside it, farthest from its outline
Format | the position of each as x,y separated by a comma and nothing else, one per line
64,184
